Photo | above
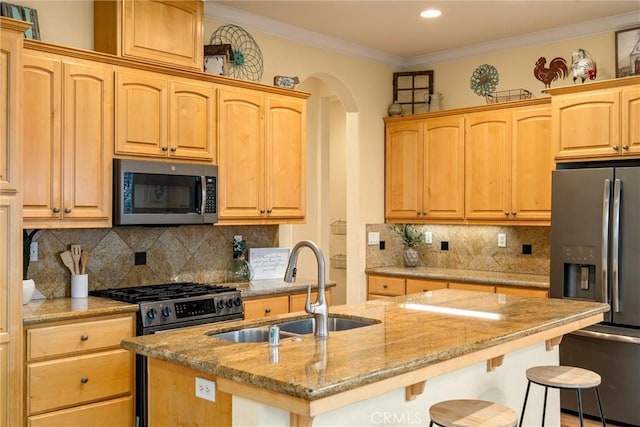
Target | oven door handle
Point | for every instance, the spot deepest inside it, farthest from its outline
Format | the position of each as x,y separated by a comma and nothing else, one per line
608,337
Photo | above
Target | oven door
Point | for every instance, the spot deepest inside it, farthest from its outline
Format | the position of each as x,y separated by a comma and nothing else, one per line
142,396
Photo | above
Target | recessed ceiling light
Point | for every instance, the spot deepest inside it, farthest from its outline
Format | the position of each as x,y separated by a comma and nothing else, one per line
430,13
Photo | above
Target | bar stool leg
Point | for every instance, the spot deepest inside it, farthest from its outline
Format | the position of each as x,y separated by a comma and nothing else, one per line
524,405
604,424
544,408
579,393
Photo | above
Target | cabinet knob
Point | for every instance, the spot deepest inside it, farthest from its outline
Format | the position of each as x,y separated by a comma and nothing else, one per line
173,149
267,310
616,148
269,211
84,380
261,211
514,213
506,213
164,148
84,337
67,210
625,146
385,286
56,210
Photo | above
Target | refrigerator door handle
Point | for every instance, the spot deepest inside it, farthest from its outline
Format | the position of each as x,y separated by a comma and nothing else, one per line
606,195
615,297
606,336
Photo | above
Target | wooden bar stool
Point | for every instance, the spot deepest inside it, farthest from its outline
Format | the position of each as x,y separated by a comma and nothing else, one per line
563,377
471,413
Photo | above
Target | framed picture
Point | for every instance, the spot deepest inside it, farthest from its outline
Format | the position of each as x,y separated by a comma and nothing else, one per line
22,13
216,58
628,52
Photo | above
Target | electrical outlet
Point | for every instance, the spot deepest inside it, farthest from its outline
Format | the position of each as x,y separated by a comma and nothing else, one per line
428,237
237,238
33,251
373,238
502,240
205,389
527,249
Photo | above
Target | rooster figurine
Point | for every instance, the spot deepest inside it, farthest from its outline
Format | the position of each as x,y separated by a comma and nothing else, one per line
557,70
582,66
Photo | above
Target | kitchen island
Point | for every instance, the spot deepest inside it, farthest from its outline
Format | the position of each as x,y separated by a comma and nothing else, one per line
424,348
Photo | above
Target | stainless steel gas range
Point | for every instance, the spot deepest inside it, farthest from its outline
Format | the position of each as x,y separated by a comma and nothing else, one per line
172,306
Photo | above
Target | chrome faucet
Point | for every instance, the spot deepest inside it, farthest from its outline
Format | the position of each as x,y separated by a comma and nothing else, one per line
320,308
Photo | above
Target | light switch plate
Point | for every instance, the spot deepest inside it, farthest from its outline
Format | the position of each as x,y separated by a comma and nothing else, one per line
502,240
33,251
428,237
373,238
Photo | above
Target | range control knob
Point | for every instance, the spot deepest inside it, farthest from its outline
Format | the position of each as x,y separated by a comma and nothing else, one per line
151,313
237,302
220,305
229,303
166,312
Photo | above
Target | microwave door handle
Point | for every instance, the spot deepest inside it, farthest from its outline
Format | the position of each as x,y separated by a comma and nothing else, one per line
606,195
203,194
615,297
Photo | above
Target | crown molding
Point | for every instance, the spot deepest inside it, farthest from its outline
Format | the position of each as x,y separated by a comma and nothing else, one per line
295,34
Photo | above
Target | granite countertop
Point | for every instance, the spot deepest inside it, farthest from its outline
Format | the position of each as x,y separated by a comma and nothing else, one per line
471,276
57,309
405,340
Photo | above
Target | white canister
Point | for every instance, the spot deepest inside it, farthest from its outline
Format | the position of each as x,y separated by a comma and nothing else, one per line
79,285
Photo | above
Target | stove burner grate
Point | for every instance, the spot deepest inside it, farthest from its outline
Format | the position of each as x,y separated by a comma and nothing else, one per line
162,292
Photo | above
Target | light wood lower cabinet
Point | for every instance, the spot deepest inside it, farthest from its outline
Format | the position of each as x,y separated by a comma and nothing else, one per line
77,371
380,286
172,400
272,306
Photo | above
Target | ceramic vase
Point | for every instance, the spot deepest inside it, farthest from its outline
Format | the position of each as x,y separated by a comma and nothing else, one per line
28,288
410,257
395,109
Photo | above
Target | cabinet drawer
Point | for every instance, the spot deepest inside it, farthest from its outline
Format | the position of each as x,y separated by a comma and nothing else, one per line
381,285
76,337
297,301
265,307
528,292
415,286
76,380
472,287
116,412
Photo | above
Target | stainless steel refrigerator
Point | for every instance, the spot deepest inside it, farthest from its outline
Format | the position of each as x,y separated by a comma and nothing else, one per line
595,256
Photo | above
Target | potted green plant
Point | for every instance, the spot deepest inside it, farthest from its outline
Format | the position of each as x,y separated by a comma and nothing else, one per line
28,285
411,238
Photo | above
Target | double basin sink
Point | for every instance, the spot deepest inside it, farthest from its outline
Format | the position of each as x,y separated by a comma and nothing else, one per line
292,328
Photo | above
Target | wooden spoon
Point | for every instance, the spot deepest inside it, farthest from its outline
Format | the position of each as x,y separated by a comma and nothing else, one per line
67,260
84,260
76,252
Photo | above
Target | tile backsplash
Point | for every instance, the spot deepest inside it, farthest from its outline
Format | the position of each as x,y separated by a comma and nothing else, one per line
470,247
198,253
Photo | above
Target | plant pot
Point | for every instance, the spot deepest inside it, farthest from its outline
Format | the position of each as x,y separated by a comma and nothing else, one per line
28,288
410,257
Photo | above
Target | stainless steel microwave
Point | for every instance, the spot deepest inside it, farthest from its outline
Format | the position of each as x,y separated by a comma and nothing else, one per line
164,193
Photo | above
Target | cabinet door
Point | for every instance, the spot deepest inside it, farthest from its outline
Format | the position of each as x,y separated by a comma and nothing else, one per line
297,301
109,413
265,307
630,119
285,157
443,185
532,163
488,166
472,287
587,124
42,143
240,154
164,30
527,292
87,140
403,170
141,113
193,121
415,286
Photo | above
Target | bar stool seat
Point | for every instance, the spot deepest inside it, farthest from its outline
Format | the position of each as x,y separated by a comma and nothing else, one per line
472,413
563,377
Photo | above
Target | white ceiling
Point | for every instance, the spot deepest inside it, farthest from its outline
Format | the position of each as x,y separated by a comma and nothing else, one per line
393,32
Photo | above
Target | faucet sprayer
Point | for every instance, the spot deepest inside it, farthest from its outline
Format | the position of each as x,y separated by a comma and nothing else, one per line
319,309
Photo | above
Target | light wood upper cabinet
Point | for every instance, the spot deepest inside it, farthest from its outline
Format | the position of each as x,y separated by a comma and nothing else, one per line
599,121
159,116
161,31
261,152
508,165
424,169
488,165
68,104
